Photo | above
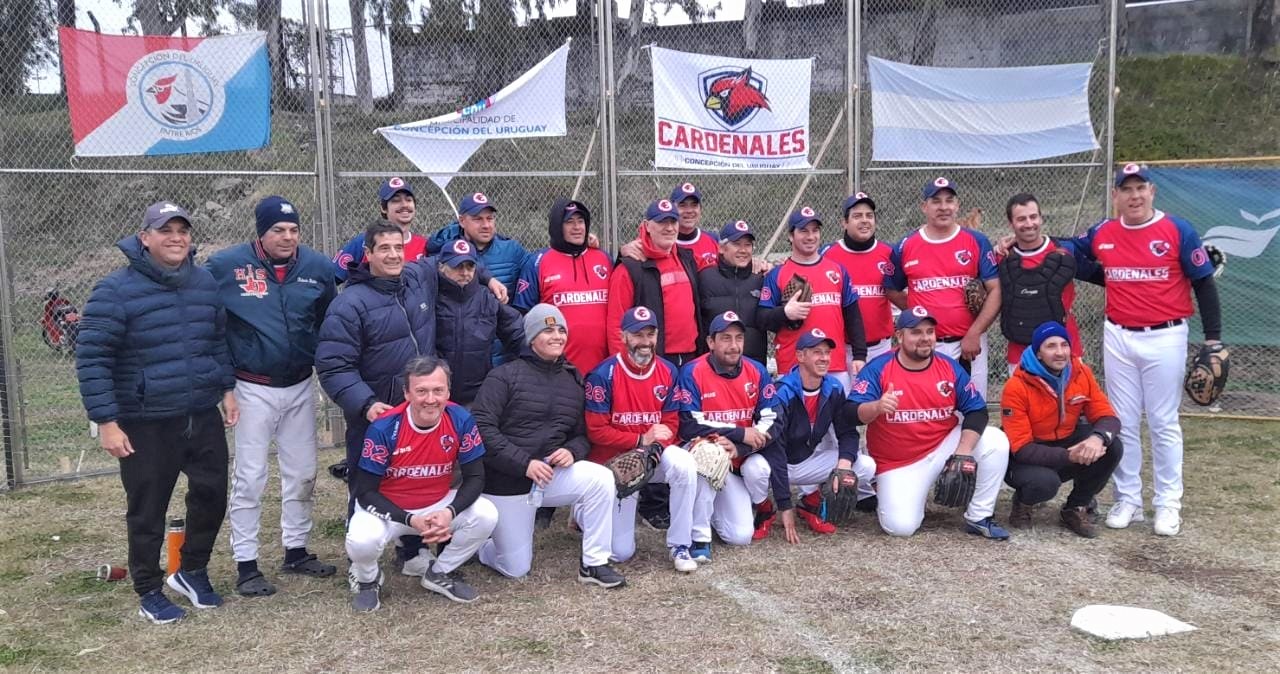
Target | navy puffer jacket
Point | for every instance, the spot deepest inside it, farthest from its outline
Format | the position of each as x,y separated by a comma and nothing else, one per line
152,341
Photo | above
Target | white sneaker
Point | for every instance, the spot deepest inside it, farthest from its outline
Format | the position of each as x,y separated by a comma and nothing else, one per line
1124,513
418,566
1168,521
682,560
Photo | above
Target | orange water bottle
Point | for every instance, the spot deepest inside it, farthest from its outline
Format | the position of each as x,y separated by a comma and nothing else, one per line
174,539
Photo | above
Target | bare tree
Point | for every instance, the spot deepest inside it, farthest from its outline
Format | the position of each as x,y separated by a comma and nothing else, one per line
751,26
1264,31
360,55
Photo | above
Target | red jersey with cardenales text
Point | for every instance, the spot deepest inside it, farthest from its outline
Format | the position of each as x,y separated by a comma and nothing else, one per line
416,465
870,271
622,404
934,273
578,285
832,292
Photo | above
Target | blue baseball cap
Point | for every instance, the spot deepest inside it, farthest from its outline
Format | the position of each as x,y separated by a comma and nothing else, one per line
722,322
458,251
161,212
813,338
638,318
858,198
733,231
914,316
1132,170
804,216
661,209
391,186
937,185
474,204
684,191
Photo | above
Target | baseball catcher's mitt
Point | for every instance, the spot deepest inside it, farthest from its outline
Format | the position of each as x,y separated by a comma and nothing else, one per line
633,468
975,295
799,284
711,459
1207,375
839,496
955,486
1217,258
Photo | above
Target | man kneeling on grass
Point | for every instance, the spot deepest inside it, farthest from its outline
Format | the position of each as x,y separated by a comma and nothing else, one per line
401,486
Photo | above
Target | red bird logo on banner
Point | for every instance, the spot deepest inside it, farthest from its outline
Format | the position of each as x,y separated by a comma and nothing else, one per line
735,96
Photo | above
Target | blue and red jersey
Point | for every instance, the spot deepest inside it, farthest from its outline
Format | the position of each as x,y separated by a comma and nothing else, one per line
578,285
724,404
870,271
1149,268
832,292
934,274
705,247
416,465
926,409
622,405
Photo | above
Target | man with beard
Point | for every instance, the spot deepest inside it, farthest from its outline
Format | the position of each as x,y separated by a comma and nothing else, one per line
908,399
396,205
732,285
867,262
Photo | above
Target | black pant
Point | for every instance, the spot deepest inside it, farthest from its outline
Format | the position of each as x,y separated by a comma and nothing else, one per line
356,428
196,445
1037,484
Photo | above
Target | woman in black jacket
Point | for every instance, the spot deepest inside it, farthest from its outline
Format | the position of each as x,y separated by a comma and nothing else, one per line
530,414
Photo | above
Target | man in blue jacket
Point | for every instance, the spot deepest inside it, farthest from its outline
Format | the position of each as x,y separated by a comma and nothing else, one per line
275,291
478,224
153,365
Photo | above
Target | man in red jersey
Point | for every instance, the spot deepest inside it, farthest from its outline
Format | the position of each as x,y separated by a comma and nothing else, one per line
867,262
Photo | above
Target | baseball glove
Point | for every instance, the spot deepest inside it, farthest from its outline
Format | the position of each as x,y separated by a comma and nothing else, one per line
955,486
975,295
1217,258
839,496
340,470
711,459
1207,375
798,284
633,468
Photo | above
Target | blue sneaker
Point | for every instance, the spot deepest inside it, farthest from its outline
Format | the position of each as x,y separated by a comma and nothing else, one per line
701,552
195,586
987,528
158,609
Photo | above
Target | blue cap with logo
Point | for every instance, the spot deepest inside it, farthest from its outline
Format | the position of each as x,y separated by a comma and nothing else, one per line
936,185
391,187
1132,170
162,212
661,209
801,218
914,316
813,338
858,198
685,191
271,210
735,230
474,204
722,322
458,251
638,318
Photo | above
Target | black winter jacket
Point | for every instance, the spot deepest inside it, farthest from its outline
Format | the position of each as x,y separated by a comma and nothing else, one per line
527,409
648,292
468,319
725,287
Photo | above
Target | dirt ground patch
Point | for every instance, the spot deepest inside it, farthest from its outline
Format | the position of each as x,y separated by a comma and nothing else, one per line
855,601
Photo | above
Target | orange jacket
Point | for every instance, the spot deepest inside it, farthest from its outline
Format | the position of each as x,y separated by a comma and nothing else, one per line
1030,411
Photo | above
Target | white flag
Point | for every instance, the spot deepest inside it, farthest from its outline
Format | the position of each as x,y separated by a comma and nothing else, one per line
978,115
716,112
531,106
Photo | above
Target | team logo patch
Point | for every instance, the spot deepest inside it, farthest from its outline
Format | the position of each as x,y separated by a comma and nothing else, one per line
664,205
448,443
344,258
770,391
688,188
945,388
395,183
964,257
521,286
660,391
570,208
741,226
817,332
861,195
1130,169
178,92
860,386
643,313
253,281
480,198
461,247
1199,257
919,311
286,208
601,271
807,212
833,276
766,294
885,267
169,208
941,182
1160,248
733,97
730,316
750,388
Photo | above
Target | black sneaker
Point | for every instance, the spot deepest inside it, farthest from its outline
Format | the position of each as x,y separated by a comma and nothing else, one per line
450,585
366,598
658,521
602,575
868,504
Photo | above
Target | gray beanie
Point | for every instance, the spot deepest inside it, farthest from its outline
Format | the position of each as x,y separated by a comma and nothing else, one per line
539,318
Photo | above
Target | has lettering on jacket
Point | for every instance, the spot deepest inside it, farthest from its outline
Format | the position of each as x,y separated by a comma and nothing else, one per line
918,415
932,283
1137,273
253,281
427,470
636,418
580,297
729,416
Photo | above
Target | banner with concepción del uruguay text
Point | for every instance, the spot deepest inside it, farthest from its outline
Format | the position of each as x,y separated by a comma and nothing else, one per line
716,112
531,106
978,115
150,95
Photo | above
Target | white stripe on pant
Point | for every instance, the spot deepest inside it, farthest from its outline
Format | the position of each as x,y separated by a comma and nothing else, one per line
903,491
586,486
288,416
690,505
368,535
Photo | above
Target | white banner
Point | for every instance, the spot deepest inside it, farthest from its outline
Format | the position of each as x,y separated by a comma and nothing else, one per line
531,106
716,112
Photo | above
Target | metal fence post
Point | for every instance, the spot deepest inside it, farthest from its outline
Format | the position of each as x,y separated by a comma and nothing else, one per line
12,429
1111,105
853,97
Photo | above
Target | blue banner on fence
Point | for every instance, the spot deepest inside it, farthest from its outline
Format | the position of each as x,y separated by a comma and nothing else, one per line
1237,210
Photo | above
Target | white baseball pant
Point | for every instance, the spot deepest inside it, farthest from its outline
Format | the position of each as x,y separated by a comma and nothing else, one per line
806,475
586,486
1144,373
690,504
368,535
904,491
288,416
977,368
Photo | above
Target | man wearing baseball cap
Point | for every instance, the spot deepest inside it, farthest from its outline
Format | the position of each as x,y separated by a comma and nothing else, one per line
725,394
276,292
158,321
908,398
478,224
469,319
396,205
866,260
809,291
733,285
935,263
631,406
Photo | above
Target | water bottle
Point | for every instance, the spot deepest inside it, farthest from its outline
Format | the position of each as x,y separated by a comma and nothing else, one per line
174,538
535,496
